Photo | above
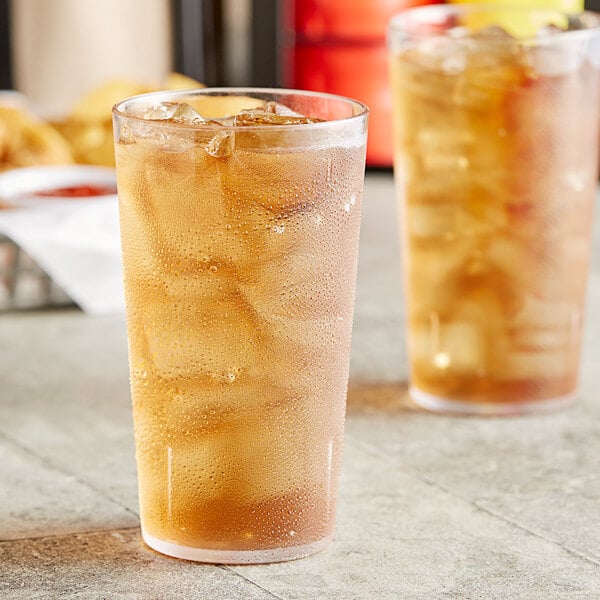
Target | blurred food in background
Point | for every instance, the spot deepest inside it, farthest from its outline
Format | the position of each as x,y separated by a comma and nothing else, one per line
26,140
84,136
54,52
88,128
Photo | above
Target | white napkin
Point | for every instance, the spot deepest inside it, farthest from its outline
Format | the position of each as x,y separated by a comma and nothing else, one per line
78,245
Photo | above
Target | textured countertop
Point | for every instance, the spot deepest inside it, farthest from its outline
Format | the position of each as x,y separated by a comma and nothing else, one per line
429,506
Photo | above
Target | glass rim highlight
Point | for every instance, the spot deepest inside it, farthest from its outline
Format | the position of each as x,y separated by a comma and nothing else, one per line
119,109
403,24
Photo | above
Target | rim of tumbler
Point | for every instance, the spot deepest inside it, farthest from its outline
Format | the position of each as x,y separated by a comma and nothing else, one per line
397,24
166,95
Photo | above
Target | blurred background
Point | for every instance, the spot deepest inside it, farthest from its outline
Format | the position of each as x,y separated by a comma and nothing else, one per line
54,52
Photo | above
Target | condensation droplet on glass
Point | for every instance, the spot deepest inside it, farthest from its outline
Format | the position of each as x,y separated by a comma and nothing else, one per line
576,180
280,228
351,202
125,135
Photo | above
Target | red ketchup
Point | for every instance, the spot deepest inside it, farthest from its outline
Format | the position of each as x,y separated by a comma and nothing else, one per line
76,191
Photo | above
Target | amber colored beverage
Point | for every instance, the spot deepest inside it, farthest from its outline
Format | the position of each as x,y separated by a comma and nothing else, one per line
496,135
240,237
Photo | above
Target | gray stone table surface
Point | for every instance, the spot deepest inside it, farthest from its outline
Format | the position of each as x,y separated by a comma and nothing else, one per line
429,506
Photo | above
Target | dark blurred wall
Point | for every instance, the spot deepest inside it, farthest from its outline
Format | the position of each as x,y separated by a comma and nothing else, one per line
5,60
265,43
199,41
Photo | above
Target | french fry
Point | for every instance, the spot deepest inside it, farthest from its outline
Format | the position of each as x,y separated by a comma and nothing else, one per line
27,141
85,136
89,127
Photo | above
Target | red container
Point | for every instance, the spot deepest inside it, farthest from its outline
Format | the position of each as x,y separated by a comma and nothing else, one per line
339,46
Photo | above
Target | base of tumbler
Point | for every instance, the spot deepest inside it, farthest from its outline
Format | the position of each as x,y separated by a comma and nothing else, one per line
235,557
456,407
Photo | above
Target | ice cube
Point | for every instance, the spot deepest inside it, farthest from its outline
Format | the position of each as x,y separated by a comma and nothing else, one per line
277,108
166,140
543,267
177,201
196,406
545,323
175,112
454,62
518,262
465,345
174,477
492,33
439,221
208,333
288,181
536,363
287,447
306,335
548,338
456,347
436,272
555,58
299,293
306,263
466,334
437,54
277,467
221,145
538,313
263,117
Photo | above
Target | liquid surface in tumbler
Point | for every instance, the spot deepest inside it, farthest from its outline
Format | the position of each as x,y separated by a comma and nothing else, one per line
497,179
239,261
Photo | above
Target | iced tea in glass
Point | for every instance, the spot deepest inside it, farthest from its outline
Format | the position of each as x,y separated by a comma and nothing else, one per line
240,214
496,157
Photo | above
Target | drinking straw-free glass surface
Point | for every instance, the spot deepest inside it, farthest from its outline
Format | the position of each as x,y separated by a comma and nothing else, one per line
240,239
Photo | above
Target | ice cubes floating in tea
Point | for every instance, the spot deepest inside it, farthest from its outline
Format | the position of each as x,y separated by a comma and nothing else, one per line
217,134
